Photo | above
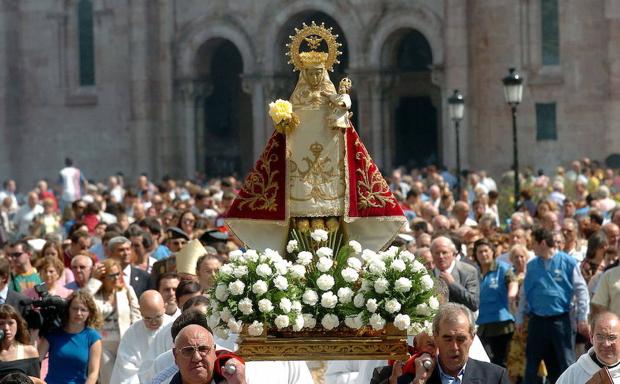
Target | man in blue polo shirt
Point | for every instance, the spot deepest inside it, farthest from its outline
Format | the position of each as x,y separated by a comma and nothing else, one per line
552,280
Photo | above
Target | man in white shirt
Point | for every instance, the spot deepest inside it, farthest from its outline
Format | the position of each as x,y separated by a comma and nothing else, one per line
26,214
137,341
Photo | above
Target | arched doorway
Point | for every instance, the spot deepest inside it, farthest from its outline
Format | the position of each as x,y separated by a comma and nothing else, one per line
223,111
284,72
414,100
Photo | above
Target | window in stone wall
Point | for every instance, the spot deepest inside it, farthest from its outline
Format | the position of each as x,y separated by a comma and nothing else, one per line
86,43
550,35
546,122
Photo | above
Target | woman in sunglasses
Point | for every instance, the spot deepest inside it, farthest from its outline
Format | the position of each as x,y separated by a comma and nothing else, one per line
75,348
119,306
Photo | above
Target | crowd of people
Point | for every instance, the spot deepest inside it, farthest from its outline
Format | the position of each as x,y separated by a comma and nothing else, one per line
530,289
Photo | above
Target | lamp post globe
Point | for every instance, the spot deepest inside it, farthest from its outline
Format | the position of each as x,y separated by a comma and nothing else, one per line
513,92
456,109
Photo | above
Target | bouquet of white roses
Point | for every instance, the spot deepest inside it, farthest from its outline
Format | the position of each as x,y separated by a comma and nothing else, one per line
351,289
255,289
395,288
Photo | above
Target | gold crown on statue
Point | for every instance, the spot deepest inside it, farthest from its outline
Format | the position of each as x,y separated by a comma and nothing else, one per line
313,35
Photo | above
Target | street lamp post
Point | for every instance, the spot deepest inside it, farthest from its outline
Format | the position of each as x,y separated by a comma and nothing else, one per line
456,107
513,92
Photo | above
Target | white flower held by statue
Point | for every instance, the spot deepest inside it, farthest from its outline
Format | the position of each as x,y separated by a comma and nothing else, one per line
280,110
319,235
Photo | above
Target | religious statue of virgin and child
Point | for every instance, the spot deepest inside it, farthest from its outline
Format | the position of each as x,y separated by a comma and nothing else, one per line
314,172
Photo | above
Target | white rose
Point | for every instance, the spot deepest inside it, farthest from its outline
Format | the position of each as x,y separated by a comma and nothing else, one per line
245,306
349,275
264,270
281,267
226,269
236,287
298,324
417,266
235,326
376,321
381,285
423,309
392,251
296,306
281,283
221,332
225,315
304,257
281,321
265,306
398,265
285,305
433,303
259,288
354,322
325,282
325,252
221,292
240,271
319,235
427,282
324,264
235,255
329,300
345,295
402,322
251,255
310,297
359,300
392,306
354,263
403,285
330,321
255,329
272,255
376,267
368,255
406,256
309,321
357,247
371,305
297,271
292,246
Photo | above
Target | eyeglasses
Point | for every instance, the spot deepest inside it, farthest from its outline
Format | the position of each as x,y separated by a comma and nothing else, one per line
602,338
188,221
189,351
153,319
15,254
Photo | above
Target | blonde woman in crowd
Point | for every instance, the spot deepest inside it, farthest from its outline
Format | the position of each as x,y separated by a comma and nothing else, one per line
119,307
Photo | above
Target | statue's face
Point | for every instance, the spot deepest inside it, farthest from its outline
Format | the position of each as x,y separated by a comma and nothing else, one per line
314,76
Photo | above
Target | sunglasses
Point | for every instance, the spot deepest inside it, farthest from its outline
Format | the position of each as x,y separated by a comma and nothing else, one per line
15,254
112,276
189,351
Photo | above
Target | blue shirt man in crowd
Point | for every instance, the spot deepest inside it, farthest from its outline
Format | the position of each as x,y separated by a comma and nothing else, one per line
552,280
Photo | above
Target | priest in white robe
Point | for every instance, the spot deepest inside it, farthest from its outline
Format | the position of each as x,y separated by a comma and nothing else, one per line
138,339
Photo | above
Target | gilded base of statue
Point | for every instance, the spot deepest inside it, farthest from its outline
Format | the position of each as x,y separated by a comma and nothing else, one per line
365,344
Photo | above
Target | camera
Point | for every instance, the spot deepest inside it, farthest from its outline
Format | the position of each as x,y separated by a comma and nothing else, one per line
46,313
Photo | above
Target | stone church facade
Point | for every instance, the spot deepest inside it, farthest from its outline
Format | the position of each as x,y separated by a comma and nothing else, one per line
179,87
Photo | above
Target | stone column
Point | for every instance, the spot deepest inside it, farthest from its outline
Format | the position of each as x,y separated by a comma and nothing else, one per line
187,133
199,91
612,15
254,85
139,88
